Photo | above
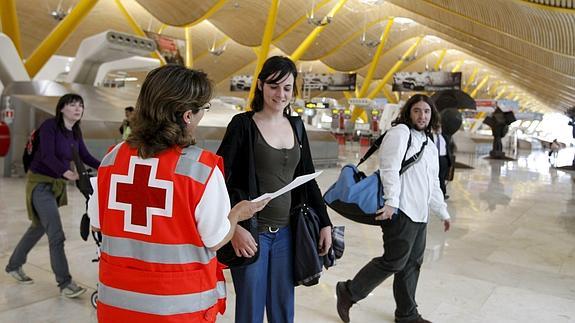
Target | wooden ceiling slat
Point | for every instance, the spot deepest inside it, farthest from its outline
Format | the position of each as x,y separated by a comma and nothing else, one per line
529,46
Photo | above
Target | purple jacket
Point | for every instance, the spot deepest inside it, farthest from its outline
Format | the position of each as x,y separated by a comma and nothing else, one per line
55,151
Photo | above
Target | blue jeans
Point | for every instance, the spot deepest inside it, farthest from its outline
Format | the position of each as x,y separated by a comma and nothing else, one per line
46,207
268,282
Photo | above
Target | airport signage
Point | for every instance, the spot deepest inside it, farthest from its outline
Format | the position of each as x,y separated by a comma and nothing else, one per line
169,47
241,83
426,81
329,82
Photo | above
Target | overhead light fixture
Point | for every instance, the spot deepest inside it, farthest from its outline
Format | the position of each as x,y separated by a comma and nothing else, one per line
432,39
316,21
372,2
319,21
369,43
409,58
217,51
59,13
403,21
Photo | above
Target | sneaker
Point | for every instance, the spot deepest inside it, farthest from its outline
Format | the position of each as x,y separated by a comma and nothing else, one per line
72,290
20,276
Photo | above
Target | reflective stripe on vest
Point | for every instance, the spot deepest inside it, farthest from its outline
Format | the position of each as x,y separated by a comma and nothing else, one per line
190,166
155,252
160,304
110,157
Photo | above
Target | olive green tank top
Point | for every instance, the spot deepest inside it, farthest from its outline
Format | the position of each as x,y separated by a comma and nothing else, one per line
275,169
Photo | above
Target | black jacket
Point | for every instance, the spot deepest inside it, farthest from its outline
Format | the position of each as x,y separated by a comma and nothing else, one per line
237,150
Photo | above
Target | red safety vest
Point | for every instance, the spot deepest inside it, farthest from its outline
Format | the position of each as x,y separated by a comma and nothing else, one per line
154,266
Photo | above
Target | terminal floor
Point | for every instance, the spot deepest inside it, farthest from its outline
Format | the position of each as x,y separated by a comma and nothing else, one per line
510,256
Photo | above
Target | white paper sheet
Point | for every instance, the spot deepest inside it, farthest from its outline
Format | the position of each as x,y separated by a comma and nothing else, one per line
295,183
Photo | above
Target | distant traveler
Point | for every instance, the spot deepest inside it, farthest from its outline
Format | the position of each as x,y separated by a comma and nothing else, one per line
125,129
46,191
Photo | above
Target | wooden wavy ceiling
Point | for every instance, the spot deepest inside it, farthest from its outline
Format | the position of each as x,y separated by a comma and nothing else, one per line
526,46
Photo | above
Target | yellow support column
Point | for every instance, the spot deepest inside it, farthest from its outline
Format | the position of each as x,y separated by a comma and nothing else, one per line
375,61
457,66
299,21
501,93
390,98
479,86
439,60
470,79
137,29
265,47
357,111
9,20
480,115
55,39
395,67
208,13
298,53
189,56
162,28
493,89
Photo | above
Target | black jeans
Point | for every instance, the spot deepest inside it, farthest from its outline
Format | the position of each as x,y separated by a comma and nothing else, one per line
404,243
46,207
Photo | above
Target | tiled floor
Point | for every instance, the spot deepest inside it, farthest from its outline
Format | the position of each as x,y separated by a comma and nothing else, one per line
510,256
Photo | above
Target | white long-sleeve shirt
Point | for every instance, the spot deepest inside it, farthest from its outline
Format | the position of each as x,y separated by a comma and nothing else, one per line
416,192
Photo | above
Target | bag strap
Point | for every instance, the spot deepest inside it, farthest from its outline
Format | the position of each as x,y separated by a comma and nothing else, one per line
405,164
299,130
299,126
375,146
413,159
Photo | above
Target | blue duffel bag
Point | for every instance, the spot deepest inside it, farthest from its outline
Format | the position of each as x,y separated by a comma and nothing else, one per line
357,196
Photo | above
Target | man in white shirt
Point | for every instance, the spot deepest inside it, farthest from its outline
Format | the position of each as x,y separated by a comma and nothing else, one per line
409,198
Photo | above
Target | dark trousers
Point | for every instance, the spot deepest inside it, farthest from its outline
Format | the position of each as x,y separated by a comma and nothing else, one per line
46,207
404,243
268,282
443,171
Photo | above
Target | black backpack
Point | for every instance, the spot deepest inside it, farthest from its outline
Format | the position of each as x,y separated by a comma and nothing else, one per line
30,149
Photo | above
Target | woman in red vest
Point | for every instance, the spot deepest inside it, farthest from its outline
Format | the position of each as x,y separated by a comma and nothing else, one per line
164,210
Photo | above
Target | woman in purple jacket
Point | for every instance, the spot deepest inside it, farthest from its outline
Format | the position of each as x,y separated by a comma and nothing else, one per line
51,167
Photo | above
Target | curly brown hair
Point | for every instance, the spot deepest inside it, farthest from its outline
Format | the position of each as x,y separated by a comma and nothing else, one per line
405,113
167,93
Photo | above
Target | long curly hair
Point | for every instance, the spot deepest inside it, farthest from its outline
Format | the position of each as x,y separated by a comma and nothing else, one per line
405,113
167,93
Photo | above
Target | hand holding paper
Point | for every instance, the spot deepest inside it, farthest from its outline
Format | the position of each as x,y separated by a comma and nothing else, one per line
295,183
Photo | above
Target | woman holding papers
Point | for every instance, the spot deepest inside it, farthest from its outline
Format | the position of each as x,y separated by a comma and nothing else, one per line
275,157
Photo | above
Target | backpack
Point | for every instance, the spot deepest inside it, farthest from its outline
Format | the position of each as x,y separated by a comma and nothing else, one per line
30,149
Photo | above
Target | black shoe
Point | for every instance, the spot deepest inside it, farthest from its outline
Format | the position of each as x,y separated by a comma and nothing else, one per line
445,197
418,320
344,302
